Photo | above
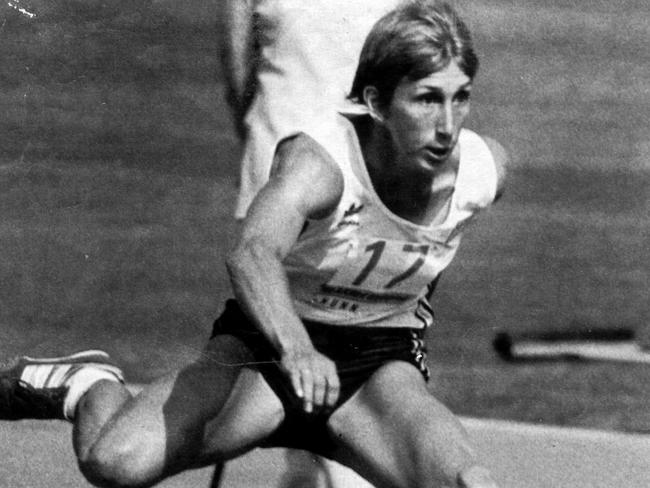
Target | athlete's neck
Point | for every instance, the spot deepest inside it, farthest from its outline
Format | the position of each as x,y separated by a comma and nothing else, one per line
418,196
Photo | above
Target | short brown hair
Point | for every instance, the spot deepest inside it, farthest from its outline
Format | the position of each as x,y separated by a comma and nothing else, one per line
417,38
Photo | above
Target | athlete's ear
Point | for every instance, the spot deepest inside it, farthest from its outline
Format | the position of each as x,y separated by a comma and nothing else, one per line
371,99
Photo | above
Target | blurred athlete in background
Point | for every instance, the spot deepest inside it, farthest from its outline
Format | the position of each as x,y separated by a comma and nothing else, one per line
287,64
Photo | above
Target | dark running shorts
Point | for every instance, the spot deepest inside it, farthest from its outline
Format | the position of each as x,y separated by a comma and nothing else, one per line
357,351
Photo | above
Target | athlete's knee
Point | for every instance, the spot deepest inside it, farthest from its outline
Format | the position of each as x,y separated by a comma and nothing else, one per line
448,464
476,477
453,474
118,465
472,477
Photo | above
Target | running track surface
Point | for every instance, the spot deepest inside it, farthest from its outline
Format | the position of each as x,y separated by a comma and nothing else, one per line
39,455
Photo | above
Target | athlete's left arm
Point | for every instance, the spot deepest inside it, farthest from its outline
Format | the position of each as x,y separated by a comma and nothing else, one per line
501,163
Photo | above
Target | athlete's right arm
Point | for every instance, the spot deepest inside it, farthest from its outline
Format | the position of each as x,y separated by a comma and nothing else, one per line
305,183
238,57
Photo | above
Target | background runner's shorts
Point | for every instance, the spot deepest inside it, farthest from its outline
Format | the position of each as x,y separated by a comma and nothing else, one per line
357,352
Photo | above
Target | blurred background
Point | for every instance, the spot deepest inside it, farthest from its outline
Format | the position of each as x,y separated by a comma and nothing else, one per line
118,170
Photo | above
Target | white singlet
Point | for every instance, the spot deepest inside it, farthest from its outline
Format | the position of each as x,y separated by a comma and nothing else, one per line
309,51
364,265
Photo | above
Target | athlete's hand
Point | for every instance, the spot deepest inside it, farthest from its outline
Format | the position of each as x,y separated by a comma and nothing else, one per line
313,377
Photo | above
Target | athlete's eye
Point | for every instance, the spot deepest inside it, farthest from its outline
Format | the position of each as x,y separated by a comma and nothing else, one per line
462,96
431,98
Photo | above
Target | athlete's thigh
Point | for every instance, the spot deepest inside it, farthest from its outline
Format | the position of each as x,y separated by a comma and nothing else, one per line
251,413
396,434
244,412
167,424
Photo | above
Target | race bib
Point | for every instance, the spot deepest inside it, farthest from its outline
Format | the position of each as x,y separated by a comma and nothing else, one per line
385,268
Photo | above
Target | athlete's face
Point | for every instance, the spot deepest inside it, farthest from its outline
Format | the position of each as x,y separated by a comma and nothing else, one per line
425,116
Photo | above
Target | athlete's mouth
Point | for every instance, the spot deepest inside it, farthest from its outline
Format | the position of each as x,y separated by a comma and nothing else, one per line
438,152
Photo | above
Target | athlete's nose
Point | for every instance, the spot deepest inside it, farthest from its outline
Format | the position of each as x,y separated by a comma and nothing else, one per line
445,123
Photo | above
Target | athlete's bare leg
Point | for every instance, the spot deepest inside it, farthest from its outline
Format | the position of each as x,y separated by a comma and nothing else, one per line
137,441
396,434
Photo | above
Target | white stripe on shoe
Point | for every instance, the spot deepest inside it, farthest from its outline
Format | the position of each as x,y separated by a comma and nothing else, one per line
45,375
74,375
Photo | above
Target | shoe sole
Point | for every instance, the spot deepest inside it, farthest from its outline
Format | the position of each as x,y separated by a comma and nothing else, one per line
91,356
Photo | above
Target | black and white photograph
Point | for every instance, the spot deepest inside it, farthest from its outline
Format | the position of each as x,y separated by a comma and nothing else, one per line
324,244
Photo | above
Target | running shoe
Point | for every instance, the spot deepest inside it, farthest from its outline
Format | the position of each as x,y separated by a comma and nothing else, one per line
36,388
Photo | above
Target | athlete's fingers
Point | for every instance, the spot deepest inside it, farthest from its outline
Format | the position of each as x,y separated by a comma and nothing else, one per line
296,383
333,390
320,390
307,379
